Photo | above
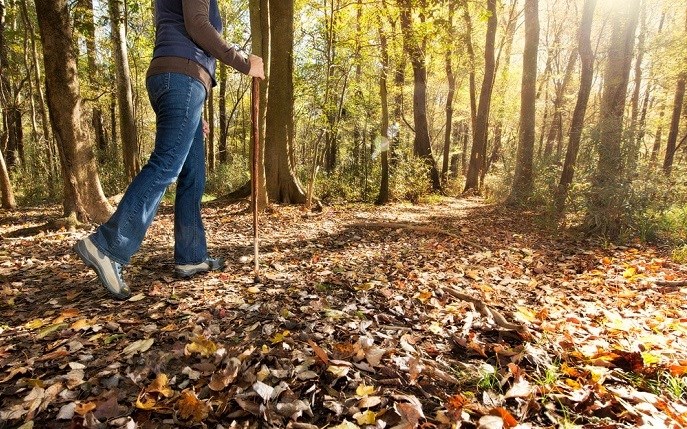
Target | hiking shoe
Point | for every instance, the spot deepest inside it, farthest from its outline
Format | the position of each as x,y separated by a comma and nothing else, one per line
190,270
109,271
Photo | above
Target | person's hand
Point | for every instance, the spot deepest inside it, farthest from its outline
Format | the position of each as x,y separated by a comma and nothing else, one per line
257,68
206,128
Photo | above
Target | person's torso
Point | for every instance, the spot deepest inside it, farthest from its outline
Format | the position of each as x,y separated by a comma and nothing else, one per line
172,39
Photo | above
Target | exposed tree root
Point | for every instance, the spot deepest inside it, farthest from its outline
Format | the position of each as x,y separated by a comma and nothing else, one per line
69,223
486,311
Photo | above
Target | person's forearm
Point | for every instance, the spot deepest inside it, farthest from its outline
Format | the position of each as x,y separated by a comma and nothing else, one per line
198,26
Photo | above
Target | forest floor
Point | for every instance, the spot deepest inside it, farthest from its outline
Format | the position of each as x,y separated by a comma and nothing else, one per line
454,314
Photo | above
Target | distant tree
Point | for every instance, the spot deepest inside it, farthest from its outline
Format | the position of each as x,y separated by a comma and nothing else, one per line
451,81
127,120
679,99
415,46
383,196
609,193
481,123
523,181
83,196
577,123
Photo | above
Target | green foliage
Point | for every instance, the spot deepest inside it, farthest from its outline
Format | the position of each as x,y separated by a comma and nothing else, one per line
409,179
227,177
32,188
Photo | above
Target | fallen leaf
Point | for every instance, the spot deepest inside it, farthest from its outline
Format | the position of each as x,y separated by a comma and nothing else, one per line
202,346
191,408
140,346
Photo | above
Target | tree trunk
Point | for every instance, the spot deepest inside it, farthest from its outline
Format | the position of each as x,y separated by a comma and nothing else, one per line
416,52
480,131
609,192
127,120
210,139
671,145
471,63
8,201
577,122
83,195
632,145
656,148
523,180
260,31
451,80
507,48
223,119
383,196
555,134
282,184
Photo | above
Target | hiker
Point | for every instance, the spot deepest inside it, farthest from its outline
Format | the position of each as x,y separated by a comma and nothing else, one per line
188,42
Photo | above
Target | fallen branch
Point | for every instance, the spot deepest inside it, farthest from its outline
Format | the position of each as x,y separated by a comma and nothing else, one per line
486,311
674,283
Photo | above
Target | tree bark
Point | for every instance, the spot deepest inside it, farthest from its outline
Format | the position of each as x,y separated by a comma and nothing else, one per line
555,134
577,122
671,144
451,80
609,192
416,52
6,191
471,63
127,120
481,126
260,33
383,196
523,180
282,184
83,195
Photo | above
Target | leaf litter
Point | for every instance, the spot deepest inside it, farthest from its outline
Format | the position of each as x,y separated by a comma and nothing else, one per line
455,315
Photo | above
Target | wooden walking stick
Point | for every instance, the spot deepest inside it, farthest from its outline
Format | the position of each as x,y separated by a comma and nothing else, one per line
255,181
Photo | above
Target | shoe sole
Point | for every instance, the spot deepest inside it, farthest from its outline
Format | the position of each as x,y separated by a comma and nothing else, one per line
86,260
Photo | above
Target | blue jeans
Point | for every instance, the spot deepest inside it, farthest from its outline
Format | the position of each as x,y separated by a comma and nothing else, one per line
179,154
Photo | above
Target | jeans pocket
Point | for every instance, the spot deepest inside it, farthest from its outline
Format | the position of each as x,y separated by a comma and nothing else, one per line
157,85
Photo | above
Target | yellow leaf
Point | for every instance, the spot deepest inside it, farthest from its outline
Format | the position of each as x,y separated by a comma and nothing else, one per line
366,418
50,329
364,286
436,328
280,336
527,314
202,346
146,402
424,296
630,272
191,408
34,324
170,328
80,324
83,409
161,385
472,274
364,390
650,358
